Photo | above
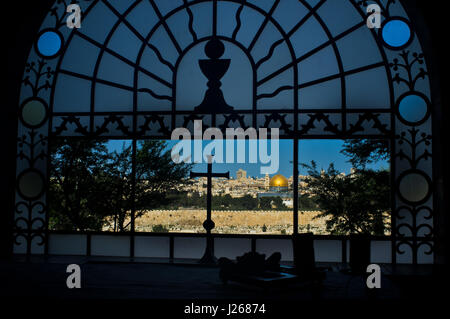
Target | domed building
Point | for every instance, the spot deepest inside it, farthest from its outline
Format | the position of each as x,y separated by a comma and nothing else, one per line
279,184
279,187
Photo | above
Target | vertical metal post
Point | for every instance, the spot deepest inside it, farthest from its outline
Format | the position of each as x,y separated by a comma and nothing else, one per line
133,197
208,257
295,222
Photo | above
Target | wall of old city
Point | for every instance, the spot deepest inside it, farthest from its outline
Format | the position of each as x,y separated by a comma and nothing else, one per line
250,222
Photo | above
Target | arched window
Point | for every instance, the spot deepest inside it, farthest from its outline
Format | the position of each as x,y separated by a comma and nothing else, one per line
312,68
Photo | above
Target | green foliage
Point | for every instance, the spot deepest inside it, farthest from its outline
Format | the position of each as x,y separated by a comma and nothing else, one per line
76,185
91,187
265,203
179,200
264,228
227,202
159,229
271,203
364,152
156,176
307,203
224,202
354,203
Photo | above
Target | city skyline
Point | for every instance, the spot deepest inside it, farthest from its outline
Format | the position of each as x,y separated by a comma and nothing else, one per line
323,152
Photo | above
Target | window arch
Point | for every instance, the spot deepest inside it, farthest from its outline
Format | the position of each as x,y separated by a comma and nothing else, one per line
316,71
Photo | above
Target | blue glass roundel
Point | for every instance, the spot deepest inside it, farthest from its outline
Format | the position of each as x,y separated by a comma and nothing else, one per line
49,44
413,108
396,33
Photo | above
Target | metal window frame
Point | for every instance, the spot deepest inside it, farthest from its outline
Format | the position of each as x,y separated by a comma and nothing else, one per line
296,131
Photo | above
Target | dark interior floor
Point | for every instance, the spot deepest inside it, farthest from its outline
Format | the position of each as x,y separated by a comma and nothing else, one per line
115,278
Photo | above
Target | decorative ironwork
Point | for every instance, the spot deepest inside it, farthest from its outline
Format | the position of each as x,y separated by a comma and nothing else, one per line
40,72
30,209
214,69
413,160
404,67
232,118
319,117
408,66
367,118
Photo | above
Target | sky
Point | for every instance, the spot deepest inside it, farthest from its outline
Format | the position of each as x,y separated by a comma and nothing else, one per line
323,152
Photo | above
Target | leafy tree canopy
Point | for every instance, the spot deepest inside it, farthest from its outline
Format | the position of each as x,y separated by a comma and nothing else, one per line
91,187
354,203
358,202
364,152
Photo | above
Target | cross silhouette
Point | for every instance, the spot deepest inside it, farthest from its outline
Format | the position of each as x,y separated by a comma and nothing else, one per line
208,224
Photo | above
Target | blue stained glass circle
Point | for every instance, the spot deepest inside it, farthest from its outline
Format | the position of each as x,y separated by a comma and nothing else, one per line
396,33
413,108
49,43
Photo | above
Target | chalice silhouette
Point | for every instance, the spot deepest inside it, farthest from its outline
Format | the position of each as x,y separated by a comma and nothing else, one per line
214,69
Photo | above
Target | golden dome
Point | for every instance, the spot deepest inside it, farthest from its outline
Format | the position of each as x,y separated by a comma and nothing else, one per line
279,181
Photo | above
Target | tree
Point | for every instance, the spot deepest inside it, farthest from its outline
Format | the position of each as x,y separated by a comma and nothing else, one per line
91,187
306,202
76,184
271,203
265,203
363,152
277,202
159,229
355,203
156,176
246,202
118,190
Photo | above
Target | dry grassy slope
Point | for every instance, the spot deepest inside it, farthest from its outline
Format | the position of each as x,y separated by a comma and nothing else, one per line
226,218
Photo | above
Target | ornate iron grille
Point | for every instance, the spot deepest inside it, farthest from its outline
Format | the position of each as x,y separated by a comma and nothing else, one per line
128,61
